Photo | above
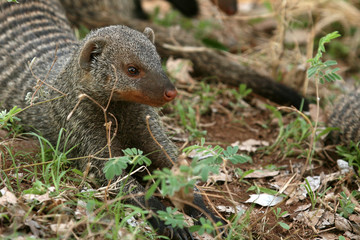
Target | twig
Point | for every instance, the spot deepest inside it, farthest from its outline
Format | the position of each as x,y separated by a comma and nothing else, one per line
46,76
152,136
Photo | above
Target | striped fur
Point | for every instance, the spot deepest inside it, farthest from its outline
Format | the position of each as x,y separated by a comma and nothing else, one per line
31,29
346,117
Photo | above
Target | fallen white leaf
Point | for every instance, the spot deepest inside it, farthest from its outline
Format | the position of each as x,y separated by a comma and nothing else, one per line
264,199
250,145
7,197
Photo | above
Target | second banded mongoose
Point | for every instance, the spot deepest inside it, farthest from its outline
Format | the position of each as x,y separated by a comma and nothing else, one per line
346,117
116,63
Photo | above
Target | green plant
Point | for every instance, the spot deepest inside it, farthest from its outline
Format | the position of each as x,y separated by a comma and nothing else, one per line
171,218
208,160
9,121
188,119
115,166
322,70
291,136
350,153
278,214
346,206
53,171
207,97
241,92
258,190
311,193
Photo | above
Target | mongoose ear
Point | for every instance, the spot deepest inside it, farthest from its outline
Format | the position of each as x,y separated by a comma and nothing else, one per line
149,33
92,48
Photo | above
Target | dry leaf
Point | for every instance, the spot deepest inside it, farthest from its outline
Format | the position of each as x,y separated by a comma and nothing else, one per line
40,198
7,197
302,208
313,109
262,174
221,177
231,209
62,228
264,199
180,70
250,145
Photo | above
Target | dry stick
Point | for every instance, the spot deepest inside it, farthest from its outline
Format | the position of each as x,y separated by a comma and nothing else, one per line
309,53
226,185
46,76
206,195
157,143
313,129
281,34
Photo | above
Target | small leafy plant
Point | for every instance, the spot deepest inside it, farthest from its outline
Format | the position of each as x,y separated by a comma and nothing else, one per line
350,153
115,166
188,119
346,206
9,121
322,70
278,214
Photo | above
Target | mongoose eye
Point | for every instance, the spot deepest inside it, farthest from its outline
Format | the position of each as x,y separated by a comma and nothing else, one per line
133,71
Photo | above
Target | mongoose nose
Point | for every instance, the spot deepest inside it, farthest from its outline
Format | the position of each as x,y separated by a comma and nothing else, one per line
170,95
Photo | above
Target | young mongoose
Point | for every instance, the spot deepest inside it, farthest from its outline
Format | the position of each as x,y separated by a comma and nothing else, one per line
115,63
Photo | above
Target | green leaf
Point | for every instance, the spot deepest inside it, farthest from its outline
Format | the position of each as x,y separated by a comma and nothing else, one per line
330,63
114,166
311,71
284,225
151,190
240,159
170,218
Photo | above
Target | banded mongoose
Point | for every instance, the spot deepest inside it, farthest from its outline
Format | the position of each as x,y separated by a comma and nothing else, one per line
113,59
207,63
346,117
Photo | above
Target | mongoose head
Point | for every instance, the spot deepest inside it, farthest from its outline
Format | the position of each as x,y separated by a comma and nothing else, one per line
124,61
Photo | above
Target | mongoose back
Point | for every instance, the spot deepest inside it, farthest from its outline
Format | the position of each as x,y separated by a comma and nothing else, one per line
346,117
116,63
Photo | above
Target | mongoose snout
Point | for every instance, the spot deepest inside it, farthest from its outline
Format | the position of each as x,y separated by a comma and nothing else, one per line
169,95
